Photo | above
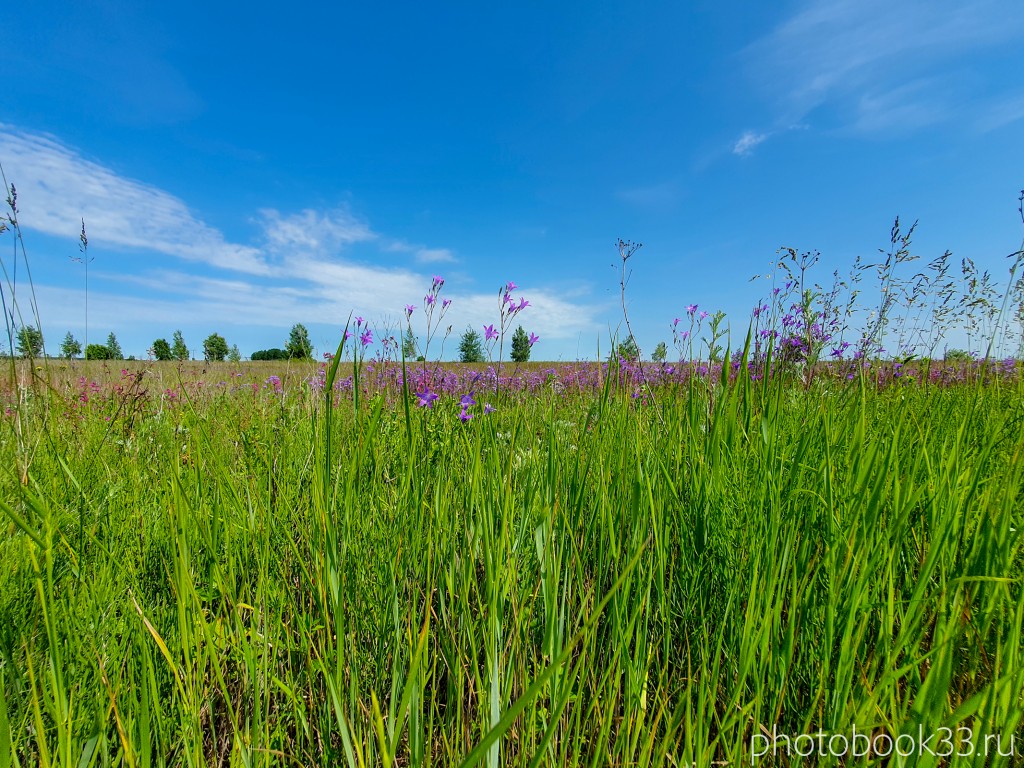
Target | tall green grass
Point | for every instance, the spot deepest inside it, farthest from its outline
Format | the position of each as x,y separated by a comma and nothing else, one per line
599,581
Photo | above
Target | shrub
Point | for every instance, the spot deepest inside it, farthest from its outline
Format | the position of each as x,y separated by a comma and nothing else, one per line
269,354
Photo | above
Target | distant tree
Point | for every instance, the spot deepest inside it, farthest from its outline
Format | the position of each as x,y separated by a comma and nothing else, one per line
234,355
628,350
97,352
178,349
70,347
30,341
660,353
299,344
162,350
215,348
269,354
957,356
470,347
409,344
520,346
114,347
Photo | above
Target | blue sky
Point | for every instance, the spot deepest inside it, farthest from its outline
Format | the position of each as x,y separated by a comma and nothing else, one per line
242,171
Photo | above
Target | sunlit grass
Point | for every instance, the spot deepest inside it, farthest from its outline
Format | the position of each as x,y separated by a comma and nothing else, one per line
277,578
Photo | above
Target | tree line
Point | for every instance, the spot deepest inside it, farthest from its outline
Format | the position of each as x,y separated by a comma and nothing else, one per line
29,343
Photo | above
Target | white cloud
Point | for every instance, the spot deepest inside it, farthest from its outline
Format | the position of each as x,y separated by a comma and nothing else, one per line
298,270
57,188
853,54
315,231
745,144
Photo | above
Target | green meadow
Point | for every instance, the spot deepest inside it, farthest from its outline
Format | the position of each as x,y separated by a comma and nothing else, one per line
254,576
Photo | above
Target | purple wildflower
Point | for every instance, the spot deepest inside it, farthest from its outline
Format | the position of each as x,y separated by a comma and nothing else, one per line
467,400
366,338
490,333
409,309
488,408
534,338
465,416
690,309
426,398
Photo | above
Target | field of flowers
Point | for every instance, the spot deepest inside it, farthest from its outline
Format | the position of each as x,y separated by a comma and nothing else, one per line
567,564
794,549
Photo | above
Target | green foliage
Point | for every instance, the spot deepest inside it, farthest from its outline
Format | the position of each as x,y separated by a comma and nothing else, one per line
70,347
628,350
178,349
470,347
98,352
269,354
958,356
585,579
30,341
299,345
162,350
660,352
215,348
114,347
520,346
234,355
409,344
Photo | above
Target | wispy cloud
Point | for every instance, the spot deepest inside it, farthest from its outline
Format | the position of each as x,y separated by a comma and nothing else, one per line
57,188
879,64
316,231
299,265
746,143
434,255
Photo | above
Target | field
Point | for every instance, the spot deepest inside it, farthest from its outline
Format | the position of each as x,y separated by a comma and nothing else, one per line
295,564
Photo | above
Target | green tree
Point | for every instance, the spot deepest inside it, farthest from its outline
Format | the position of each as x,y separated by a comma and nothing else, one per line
97,352
269,354
215,348
660,352
178,349
628,350
470,348
409,344
299,344
162,350
114,347
70,347
234,356
30,341
520,346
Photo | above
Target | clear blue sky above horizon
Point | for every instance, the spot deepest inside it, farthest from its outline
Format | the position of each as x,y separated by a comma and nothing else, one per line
240,171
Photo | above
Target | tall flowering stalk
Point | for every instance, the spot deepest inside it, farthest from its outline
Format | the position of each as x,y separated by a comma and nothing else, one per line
508,309
434,309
